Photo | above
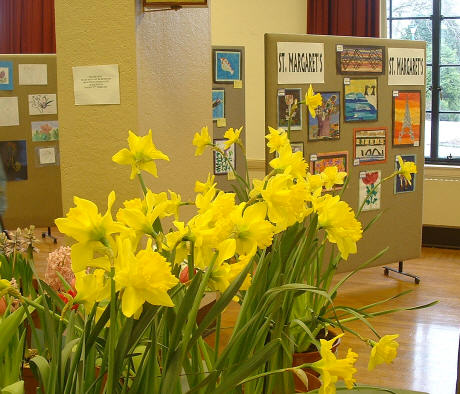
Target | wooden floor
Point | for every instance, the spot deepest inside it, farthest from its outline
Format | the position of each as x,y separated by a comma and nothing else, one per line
429,338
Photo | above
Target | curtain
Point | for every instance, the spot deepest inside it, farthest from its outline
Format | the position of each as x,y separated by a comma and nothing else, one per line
344,17
27,26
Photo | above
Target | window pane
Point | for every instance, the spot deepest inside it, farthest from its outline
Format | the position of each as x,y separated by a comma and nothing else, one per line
427,134
450,94
449,136
450,41
414,29
402,8
449,7
428,90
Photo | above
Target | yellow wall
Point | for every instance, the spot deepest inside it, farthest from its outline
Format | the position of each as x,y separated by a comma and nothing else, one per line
244,23
89,33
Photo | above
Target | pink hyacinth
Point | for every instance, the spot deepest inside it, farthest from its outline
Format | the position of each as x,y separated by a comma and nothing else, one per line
59,261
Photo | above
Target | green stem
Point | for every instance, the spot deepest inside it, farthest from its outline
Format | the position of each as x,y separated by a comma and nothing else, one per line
112,337
141,180
216,347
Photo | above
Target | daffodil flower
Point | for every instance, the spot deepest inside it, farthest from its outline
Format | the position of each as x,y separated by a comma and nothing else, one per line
201,140
313,101
277,139
406,169
332,176
91,288
232,136
203,188
141,155
383,351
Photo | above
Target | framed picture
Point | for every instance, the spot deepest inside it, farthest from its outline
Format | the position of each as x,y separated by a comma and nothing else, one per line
370,145
6,75
326,124
221,165
407,117
297,147
227,65
401,184
367,193
320,161
286,98
356,59
218,104
14,159
361,104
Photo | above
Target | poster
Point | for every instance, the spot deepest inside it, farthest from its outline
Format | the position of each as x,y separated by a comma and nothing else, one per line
286,98
356,59
45,131
33,74
218,104
9,112
6,75
222,165
367,191
42,104
370,145
14,159
407,117
401,183
96,85
361,102
406,66
326,124
300,62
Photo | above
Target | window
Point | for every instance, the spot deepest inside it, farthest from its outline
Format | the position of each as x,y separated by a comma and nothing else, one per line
438,23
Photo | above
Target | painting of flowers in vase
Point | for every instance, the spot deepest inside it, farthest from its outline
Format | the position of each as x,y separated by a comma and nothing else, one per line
326,124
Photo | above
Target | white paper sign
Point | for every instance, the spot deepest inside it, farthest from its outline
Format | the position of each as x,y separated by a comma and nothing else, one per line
33,74
406,66
47,155
95,85
42,104
9,113
300,62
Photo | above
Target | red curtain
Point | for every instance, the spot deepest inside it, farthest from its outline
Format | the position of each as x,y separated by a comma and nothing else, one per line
344,17
27,26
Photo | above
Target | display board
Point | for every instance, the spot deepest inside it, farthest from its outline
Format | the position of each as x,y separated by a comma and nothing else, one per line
373,110
29,139
228,108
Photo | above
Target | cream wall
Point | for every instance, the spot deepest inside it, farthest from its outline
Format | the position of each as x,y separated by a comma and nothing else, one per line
244,23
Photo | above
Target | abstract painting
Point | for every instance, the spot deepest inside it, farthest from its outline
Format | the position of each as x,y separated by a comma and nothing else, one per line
370,145
401,183
286,98
361,103
329,159
361,60
221,164
14,159
227,66
218,104
45,131
406,117
367,193
6,75
326,124
42,104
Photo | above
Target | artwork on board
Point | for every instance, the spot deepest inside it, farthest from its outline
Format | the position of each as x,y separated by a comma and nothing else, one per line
221,164
361,104
14,159
46,156
227,66
45,131
401,183
320,161
370,145
297,147
406,117
369,196
218,104
9,111
326,124
42,104
355,59
286,98
6,75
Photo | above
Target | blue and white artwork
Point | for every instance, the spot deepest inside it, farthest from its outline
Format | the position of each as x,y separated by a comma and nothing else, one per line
361,100
218,104
6,75
227,66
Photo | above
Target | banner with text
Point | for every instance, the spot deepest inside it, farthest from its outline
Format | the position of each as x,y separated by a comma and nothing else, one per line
300,62
406,66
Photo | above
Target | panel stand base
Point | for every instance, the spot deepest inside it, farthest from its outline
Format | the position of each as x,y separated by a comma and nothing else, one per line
386,271
48,234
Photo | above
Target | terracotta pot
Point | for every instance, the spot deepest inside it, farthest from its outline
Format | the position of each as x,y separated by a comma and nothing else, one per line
30,383
313,383
3,306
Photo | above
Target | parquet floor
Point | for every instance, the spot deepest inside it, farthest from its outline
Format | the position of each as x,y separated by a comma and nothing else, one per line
429,338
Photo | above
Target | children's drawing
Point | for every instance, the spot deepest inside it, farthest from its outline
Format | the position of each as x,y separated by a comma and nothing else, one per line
286,99
227,65
367,191
221,163
370,145
218,104
6,75
360,100
326,124
42,104
406,118
401,183
45,131
14,158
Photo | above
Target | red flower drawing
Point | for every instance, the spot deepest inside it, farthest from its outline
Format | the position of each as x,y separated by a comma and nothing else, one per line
370,178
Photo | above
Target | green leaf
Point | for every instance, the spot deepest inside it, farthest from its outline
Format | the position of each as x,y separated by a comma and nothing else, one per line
15,388
41,369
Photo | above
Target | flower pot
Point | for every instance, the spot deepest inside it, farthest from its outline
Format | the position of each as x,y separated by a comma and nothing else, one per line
313,383
30,382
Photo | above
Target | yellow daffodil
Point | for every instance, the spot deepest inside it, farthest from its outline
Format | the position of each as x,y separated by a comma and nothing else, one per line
332,369
202,188
312,101
220,279
91,288
174,242
383,351
92,230
290,163
340,223
141,155
277,139
406,169
232,136
201,140
332,176
144,277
